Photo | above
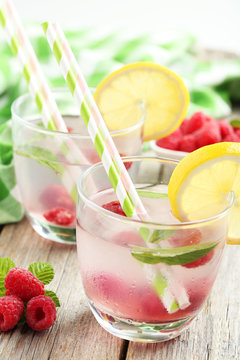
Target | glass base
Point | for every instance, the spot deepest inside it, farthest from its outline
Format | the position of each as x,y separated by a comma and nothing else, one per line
141,332
60,234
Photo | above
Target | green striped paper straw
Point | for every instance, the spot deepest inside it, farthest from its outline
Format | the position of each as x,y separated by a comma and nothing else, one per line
118,175
39,88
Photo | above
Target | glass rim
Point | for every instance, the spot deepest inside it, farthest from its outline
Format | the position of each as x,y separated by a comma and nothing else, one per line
147,224
27,96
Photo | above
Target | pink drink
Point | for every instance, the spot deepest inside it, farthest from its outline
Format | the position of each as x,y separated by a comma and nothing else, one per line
118,286
47,169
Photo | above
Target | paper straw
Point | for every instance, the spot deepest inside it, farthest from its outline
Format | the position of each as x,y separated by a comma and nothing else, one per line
117,173
39,88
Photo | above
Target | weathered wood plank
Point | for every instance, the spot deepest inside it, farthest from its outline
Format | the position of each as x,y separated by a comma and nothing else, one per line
76,334
215,334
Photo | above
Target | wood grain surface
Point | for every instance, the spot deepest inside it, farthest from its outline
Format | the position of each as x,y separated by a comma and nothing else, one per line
214,335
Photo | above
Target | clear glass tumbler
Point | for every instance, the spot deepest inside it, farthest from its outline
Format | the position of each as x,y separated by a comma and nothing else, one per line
48,163
144,281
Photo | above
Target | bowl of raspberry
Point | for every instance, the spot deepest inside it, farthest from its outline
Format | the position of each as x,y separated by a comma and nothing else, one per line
196,131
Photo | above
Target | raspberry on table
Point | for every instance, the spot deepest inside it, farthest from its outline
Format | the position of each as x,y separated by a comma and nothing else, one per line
59,216
171,141
115,207
23,283
11,310
41,312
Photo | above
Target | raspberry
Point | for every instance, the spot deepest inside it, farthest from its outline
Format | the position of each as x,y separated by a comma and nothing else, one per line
187,238
202,261
41,312
59,216
188,143
57,196
115,207
231,137
225,128
208,134
197,121
171,141
183,126
23,283
237,132
11,309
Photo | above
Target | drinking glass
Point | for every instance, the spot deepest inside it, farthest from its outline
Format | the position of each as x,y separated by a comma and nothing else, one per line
48,163
144,280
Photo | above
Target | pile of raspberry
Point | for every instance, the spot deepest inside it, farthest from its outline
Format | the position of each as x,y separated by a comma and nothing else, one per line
197,131
25,298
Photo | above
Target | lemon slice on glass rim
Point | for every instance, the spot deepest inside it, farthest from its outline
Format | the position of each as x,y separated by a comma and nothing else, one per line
160,90
202,182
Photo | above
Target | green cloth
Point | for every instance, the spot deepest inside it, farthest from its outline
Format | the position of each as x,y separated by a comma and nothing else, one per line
212,84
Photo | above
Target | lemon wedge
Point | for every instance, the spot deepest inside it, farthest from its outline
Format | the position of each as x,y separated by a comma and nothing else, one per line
160,90
201,183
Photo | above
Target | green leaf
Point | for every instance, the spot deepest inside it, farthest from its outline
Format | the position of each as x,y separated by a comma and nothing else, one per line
43,156
43,271
152,194
53,296
159,235
173,256
235,123
5,265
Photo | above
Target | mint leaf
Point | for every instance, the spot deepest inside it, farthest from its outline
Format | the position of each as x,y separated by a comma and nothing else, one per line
159,235
43,271
5,265
152,194
43,156
235,123
173,256
53,296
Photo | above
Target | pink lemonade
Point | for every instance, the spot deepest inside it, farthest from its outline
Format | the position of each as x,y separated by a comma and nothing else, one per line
120,288
47,169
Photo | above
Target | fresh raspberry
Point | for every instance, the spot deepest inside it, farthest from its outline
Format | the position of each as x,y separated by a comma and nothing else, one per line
197,121
171,141
23,283
231,137
187,143
115,207
237,132
187,238
59,216
208,134
57,196
183,126
69,129
41,312
202,261
225,128
11,309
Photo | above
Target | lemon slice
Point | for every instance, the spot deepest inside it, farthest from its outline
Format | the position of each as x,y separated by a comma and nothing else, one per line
201,184
162,92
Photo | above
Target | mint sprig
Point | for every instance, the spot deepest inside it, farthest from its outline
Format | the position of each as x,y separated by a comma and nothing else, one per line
53,296
43,271
151,194
173,256
5,265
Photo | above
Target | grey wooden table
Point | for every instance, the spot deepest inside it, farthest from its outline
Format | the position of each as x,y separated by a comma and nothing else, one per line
214,335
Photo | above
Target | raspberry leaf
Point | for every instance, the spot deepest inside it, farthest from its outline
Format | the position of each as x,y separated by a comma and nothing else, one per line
173,256
43,271
53,296
5,265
